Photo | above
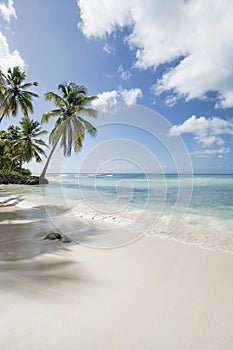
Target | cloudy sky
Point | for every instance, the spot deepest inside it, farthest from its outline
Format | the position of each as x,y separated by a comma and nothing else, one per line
174,57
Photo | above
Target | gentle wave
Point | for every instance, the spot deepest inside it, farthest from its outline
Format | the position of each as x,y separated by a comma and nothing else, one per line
106,199
204,231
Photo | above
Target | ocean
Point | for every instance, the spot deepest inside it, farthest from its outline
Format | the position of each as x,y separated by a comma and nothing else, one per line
194,209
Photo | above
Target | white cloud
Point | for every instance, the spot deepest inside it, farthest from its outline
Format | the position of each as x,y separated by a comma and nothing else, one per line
206,133
100,17
207,152
108,49
202,127
7,10
124,74
109,99
7,58
106,100
198,31
130,97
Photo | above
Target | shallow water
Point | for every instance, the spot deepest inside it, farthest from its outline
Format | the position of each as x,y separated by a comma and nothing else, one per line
194,209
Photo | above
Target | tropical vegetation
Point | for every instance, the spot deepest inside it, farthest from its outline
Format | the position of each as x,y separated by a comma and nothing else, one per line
20,144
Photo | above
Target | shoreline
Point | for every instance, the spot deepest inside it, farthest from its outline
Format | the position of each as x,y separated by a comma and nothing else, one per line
152,294
48,225
209,236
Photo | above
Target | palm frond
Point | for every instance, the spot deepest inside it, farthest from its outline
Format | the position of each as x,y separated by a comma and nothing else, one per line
78,140
30,93
56,99
57,131
27,85
89,128
90,112
43,132
54,113
25,105
63,89
78,125
41,143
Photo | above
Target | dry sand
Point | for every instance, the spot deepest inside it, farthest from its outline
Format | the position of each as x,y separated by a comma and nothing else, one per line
152,294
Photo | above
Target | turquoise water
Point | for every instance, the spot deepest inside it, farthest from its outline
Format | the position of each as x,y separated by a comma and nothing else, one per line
194,209
210,195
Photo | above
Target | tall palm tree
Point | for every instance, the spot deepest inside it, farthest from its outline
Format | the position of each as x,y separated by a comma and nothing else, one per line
70,127
14,94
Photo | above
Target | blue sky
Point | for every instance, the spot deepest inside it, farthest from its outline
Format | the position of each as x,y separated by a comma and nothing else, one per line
173,57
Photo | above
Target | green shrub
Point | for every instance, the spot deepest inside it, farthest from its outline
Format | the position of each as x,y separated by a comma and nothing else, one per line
15,171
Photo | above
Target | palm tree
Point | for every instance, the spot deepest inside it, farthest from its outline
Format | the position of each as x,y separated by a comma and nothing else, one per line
22,144
5,159
14,94
13,149
30,143
70,127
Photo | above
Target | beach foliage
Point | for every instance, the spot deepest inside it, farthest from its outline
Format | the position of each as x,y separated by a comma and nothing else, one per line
20,145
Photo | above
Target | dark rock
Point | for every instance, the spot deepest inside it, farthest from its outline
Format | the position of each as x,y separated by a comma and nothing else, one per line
55,235
6,179
33,181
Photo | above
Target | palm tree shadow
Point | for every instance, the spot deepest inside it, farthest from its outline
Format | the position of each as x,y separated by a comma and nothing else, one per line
22,232
30,263
41,276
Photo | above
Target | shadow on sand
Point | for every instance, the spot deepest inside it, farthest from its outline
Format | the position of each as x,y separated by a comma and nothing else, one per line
26,259
22,231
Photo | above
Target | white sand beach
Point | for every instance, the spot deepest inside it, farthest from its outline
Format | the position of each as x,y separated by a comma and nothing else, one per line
116,175
152,294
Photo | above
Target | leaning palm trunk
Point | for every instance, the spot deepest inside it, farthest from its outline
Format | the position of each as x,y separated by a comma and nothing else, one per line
42,178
